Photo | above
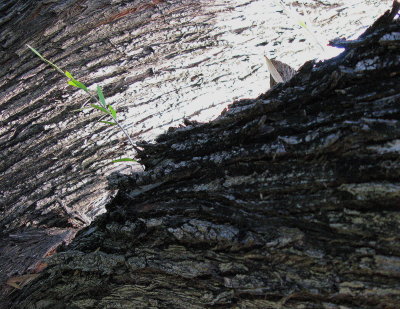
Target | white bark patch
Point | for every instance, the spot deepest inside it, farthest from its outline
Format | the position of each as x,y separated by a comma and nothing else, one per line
389,147
367,65
367,191
390,38
203,230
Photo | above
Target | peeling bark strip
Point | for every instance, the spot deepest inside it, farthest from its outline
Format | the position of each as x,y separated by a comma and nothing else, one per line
290,200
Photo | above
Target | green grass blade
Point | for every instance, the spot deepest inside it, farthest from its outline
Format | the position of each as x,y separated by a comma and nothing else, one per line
72,83
77,84
101,96
44,59
108,122
124,160
69,75
100,108
80,85
113,111
54,66
36,52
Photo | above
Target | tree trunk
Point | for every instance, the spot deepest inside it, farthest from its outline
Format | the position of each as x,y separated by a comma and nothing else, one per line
290,200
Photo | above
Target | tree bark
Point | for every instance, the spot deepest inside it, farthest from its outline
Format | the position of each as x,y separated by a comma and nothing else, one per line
158,62
290,200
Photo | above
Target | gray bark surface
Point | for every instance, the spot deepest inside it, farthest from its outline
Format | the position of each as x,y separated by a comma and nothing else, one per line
290,200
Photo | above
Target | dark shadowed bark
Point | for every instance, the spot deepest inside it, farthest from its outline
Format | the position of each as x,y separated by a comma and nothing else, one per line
290,200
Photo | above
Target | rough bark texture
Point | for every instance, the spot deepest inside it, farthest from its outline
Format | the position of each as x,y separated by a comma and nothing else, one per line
290,200
158,61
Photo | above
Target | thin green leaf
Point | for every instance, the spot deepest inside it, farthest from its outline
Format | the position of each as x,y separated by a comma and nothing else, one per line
80,85
54,66
100,108
101,96
36,52
44,59
113,111
124,160
77,84
69,75
108,122
72,83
